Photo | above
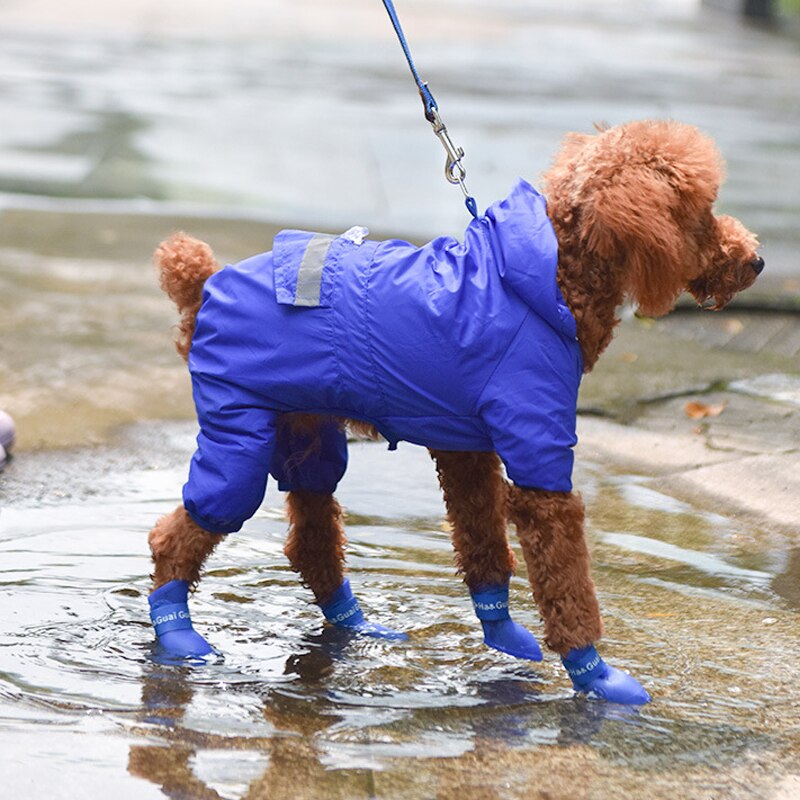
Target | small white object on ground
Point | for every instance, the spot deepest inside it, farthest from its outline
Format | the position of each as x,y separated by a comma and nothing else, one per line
7,433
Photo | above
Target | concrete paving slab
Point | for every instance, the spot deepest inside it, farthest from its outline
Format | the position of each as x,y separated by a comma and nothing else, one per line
745,457
685,354
782,388
745,461
638,449
763,488
736,423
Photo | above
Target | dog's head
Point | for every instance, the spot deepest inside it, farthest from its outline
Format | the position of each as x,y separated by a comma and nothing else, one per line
639,198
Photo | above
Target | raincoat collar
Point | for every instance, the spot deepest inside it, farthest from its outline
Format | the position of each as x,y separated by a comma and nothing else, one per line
526,248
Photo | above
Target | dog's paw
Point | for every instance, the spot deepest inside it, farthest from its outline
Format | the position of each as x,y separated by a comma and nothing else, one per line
511,638
169,613
617,686
185,644
343,611
592,676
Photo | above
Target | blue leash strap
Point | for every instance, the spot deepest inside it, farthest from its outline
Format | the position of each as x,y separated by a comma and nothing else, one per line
454,170
424,92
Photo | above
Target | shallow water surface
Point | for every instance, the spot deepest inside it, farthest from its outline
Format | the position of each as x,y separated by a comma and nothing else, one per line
296,709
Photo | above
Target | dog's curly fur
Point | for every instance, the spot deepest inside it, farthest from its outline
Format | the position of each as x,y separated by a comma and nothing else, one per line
632,208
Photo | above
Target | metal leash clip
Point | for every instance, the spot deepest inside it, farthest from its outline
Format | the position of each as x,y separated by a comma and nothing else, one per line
454,170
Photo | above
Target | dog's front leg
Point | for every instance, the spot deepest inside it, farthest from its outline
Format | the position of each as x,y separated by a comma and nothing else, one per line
551,532
179,547
474,493
550,529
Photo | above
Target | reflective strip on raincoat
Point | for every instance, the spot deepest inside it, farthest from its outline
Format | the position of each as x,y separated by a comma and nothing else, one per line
452,345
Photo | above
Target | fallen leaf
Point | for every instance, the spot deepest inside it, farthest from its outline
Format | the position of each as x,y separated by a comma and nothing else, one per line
629,358
695,410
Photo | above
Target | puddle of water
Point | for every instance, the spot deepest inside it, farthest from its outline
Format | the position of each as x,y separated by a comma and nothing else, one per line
297,706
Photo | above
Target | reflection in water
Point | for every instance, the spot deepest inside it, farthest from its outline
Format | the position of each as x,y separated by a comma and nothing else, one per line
309,727
318,748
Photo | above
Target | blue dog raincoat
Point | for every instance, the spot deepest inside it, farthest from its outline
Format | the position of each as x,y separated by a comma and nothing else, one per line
453,345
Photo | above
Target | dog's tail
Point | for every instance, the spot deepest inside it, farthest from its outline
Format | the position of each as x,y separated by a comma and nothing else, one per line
184,264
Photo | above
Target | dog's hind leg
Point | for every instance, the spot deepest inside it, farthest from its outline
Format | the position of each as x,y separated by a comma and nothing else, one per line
179,547
316,549
551,532
310,460
474,493
316,543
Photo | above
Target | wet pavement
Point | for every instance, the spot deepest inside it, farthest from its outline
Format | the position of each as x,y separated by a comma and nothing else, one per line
124,122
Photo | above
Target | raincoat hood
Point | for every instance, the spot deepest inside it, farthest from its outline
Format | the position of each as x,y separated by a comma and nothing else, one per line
526,251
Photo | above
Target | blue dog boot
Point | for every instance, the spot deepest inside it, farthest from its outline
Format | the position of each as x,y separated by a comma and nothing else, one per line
169,613
591,675
344,611
499,630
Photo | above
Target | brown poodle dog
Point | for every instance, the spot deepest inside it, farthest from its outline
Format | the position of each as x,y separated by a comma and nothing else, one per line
632,212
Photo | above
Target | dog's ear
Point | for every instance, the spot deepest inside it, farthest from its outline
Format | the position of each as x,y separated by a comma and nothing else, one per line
631,223
654,188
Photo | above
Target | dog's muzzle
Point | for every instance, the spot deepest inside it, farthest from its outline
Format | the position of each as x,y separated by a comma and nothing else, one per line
758,265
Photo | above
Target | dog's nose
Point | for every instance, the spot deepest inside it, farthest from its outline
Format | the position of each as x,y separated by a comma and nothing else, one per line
757,264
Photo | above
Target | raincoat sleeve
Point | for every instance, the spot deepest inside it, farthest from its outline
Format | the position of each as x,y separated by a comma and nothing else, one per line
228,472
529,407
